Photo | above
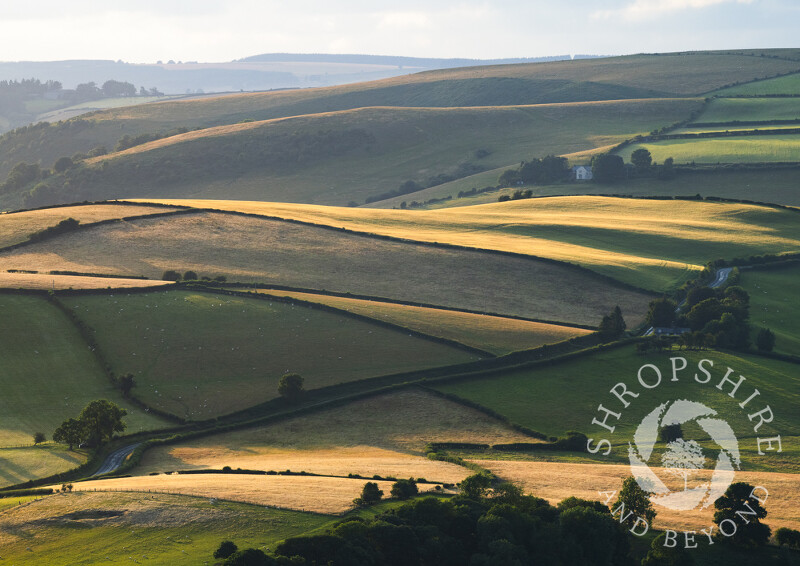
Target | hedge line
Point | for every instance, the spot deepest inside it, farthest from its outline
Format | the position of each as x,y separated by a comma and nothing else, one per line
26,492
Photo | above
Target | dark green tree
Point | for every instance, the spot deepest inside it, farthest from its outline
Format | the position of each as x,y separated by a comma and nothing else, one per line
765,340
670,433
475,486
704,312
660,555
171,275
225,549
290,386
788,537
250,557
667,170
190,276
370,494
101,419
633,502
612,325
661,312
404,489
607,168
39,437
62,164
126,383
641,158
71,432
750,532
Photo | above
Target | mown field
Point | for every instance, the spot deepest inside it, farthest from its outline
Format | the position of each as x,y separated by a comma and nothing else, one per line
117,528
733,149
20,464
47,282
383,435
751,109
773,305
281,253
48,374
201,355
494,334
353,155
673,239
536,399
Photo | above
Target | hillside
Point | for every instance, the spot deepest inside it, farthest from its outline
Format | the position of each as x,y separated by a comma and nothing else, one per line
350,156
655,244
254,249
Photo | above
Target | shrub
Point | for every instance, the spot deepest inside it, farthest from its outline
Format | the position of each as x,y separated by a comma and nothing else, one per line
225,549
404,489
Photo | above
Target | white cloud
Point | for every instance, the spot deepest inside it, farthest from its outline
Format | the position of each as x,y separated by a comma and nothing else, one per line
640,10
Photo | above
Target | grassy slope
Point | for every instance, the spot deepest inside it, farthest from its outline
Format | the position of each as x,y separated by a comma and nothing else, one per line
773,305
203,355
566,396
673,238
167,529
781,85
48,373
281,253
491,333
751,109
744,149
381,149
16,227
18,465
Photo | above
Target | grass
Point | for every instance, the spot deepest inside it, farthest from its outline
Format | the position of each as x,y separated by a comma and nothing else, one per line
731,128
789,84
43,281
18,465
673,239
565,396
276,252
773,305
351,155
202,355
318,494
733,149
495,334
48,375
16,227
154,529
751,109
383,435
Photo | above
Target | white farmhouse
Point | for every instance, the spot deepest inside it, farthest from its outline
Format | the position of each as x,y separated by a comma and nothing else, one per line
582,172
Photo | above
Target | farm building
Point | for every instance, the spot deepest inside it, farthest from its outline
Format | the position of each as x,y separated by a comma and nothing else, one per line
582,172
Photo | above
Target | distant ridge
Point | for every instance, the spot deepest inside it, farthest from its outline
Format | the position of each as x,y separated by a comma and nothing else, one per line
426,62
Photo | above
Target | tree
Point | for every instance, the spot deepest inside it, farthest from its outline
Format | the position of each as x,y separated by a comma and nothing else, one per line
370,495
788,537
101,419
704,312
633,502
667,171
39,437
612,325
70,432
661,555
749,531
404,489
290,386
607,168
683,459
171,275
126,383
661,312
62,164
190,276
670,433
225,549
475,486
641,158
250,557
765,340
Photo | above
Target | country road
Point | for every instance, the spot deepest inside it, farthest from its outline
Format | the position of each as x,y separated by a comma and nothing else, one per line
115,459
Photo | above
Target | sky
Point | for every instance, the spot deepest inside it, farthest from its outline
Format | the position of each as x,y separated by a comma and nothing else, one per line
145,31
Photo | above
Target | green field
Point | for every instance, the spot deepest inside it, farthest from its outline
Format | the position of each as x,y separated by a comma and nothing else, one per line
248,249
733,149
565,396
18,465
751,110
201,355
168,530
773,305
789,84
48,374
